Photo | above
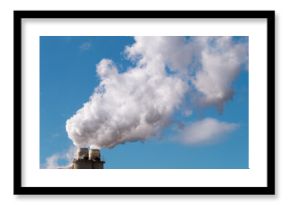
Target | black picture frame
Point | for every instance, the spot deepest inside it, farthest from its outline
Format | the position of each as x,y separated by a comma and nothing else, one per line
19,189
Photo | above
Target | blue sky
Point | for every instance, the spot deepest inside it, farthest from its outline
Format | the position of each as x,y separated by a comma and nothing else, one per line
68,79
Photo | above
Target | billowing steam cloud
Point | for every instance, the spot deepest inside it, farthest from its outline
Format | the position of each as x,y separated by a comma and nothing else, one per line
137,104
126,107
221,63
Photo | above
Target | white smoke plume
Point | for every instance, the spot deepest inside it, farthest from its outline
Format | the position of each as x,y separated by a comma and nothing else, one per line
126,107
137,104
221,62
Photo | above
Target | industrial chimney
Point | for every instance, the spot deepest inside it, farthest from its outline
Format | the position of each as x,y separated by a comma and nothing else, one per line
88,159
94,154
83,153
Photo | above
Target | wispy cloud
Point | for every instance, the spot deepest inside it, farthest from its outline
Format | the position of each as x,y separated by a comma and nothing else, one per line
53,161
85,46
205,131
55,135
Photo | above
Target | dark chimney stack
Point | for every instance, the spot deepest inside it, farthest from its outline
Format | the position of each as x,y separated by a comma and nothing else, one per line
88,159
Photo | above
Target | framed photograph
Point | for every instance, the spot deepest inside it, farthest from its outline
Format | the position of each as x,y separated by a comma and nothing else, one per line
144,102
